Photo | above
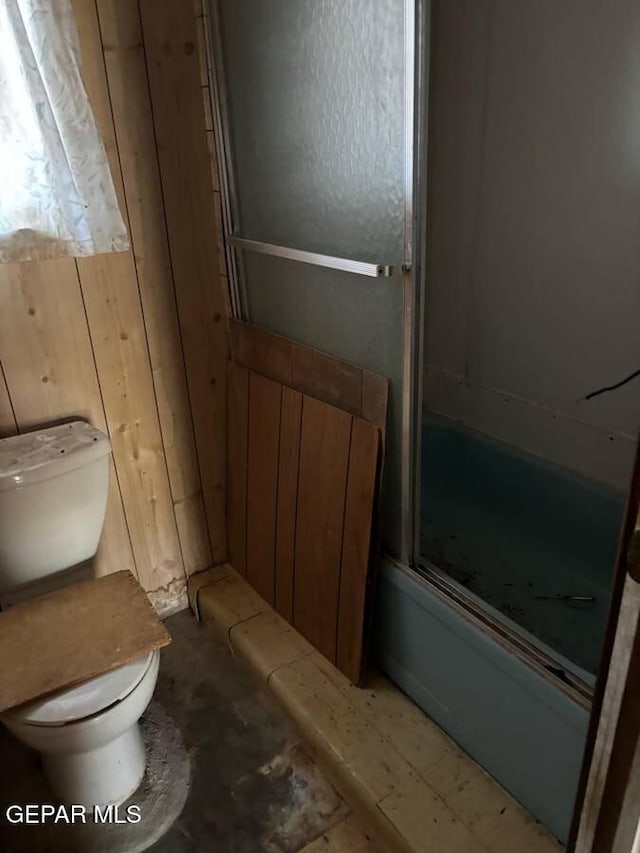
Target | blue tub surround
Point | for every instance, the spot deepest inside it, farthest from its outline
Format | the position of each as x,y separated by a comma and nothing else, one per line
526,731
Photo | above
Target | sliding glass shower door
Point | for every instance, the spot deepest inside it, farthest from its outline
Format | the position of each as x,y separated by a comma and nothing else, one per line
529,435
317,111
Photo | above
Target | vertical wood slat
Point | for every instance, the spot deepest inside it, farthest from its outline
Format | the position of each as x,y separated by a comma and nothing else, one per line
237,456
302,481
265,397
324,454
48,362
59,360
170,41
110,292
356,547
288,466
133,123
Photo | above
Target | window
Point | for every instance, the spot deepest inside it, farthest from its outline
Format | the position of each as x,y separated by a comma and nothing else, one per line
56,193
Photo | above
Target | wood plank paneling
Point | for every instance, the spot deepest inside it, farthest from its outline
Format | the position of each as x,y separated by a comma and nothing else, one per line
237,427
288,465
46,353
302,488
332,380
607,806
133,123
262,484
324,455
120,353
356,546
102,339
170,42
110,291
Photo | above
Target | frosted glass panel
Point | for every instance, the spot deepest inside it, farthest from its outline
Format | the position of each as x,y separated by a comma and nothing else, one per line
355,318
316,112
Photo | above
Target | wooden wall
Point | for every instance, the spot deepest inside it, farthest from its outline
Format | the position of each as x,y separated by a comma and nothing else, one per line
136,342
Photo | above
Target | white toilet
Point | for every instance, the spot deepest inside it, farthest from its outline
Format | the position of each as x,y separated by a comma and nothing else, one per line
53,496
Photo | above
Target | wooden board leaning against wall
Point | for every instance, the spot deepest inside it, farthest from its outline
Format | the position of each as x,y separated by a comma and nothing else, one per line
304,466
136,342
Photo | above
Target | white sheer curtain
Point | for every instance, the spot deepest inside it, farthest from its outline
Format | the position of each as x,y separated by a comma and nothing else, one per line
56,193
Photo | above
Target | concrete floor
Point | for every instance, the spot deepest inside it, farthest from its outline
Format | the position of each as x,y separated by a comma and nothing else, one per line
253,787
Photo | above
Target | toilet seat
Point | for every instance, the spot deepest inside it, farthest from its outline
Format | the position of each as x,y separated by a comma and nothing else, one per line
85,699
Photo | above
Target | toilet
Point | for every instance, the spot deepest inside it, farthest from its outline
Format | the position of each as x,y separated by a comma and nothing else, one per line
53,496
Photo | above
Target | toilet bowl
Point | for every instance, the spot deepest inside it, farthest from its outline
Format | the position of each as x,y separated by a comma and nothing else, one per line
53,496
89,736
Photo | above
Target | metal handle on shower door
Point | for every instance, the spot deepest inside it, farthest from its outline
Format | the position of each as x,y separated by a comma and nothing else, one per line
313,258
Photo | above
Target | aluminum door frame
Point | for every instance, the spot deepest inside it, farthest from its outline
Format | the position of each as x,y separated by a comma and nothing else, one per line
416,49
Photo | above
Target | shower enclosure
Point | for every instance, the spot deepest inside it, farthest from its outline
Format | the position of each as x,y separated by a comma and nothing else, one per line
446,193
532,299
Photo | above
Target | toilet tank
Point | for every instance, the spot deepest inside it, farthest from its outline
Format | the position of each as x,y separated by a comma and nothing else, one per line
53,496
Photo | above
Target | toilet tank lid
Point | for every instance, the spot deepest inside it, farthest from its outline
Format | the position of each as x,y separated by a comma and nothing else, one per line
40,455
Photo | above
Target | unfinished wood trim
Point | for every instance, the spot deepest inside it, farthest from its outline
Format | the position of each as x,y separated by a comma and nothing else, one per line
51,376
170,44
129,94
616,675
111,298
265,397
237,456
613,831
288,467
324,456
596,805
356,548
